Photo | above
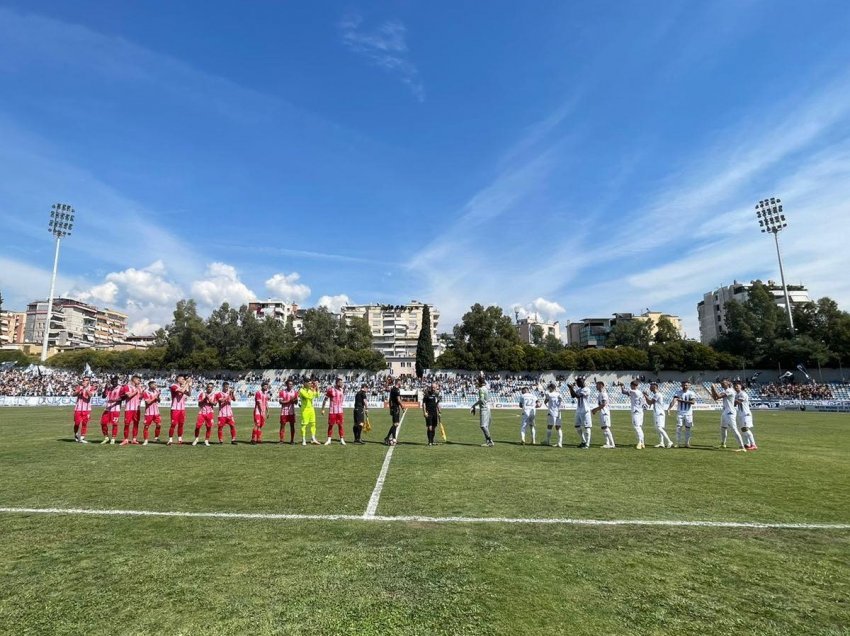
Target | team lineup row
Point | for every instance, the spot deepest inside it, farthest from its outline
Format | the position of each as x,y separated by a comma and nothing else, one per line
141,405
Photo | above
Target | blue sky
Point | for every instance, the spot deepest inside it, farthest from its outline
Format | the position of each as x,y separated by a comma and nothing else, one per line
576,159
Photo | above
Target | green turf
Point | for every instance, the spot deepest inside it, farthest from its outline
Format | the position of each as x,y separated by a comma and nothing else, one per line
118,575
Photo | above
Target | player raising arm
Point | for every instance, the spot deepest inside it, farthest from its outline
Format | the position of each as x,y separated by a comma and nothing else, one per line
656,402
151,398
727,413
603,407
637,406
583,422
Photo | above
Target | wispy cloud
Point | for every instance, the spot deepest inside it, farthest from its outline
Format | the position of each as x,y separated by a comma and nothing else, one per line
386,47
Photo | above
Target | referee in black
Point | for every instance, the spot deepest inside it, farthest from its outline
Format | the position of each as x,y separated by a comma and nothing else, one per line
395,412
361,410
431,410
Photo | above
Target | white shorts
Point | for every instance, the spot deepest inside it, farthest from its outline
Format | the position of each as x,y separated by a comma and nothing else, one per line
583,419
637,419
685,418
727,420
660,422
604,419
745,421
528,419
551,420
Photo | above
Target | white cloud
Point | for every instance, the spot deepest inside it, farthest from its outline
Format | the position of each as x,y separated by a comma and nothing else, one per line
143,327
334,303
386,47
547,310
220,284
286,287
106,293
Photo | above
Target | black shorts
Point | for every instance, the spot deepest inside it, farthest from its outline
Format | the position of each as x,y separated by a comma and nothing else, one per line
359,417
395,414
432,419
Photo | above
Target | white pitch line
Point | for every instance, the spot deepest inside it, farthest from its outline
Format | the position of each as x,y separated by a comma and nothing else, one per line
372,506
268,516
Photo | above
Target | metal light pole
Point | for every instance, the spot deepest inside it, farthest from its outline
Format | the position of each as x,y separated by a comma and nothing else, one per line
60,225
772,221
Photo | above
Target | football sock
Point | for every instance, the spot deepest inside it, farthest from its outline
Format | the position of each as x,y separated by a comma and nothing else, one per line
723,435
548,435
560,436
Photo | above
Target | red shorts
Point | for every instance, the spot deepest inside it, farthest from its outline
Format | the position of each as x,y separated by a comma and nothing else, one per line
109,417
259,420
178,417
335,418
131,417
152,419
205,418
82,417
225,421
287,419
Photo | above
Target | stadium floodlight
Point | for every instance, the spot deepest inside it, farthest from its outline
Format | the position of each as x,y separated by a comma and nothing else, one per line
60,225
771,219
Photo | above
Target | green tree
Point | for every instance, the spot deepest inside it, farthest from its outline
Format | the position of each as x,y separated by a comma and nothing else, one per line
666,331
317,347
536,334
424,344
630,333
484,340
186,334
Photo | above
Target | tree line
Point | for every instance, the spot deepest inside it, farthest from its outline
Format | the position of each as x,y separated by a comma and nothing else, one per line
235,339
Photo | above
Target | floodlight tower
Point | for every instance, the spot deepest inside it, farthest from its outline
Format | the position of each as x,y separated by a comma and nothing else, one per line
772,221
60,225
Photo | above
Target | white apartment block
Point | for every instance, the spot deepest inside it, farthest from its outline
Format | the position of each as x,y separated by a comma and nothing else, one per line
395,331
712,308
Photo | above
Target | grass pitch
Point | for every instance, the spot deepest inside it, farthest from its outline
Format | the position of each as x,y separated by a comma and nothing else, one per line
69,574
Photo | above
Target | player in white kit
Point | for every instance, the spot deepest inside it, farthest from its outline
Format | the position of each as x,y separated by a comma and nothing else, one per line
727,413
685,398
581,394
554,402
745,416
637,407
603,407
656,402
528,404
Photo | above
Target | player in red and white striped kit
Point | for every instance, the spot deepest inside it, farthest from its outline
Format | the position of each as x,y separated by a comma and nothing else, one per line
180,390
288,398
224,399
206,414
111,410
335,396
151,398
261,411
82,409
132,395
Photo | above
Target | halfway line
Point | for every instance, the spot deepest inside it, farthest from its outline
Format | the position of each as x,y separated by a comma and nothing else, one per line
372,506
669,523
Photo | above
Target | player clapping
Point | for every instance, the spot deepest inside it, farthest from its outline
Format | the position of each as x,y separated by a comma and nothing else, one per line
288,398
637,405
82,409
131,393
727,413
528,405
685,399
656,402
206,414
151,398
224,399
603,407
111,410
553,401
745,416
261,411
583,422
335,396
180,390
